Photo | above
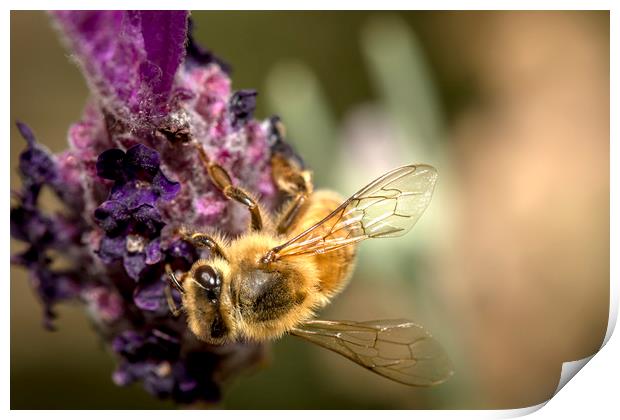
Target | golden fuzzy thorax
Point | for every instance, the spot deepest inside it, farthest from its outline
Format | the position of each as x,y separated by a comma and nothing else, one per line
264,301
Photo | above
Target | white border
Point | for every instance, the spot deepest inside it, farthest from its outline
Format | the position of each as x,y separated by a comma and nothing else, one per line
594,392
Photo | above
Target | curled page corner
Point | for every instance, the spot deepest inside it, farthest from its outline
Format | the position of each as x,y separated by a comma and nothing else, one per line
570,369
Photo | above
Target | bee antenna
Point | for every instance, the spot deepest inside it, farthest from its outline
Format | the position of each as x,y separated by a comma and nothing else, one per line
172,279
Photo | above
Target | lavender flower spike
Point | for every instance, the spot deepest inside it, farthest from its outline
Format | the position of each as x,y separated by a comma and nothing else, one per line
129,181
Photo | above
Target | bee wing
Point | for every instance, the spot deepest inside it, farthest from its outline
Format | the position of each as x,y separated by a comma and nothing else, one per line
396,349
387,207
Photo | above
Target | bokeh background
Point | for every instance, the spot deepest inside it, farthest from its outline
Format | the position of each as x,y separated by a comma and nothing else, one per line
509,267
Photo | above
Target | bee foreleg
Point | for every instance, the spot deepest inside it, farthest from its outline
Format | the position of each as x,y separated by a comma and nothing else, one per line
222,181
170,300
293,180
288,217
237,194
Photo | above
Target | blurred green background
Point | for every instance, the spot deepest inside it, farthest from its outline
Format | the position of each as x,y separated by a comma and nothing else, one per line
509,267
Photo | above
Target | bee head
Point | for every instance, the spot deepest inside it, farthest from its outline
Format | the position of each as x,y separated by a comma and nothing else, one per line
207,303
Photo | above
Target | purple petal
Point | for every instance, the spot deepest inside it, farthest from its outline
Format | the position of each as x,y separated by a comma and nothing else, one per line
55,286
128,343
31,226
110,164
142,162
149,220
159,385
112,216
111,249
35,163
134,194
129,57
129,372
29,258
183,250
51,288
153,252
134,264
164,34
187,385
166,188
26,133
150,297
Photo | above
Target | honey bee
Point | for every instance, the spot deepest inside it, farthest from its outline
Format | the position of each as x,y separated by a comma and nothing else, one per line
270,281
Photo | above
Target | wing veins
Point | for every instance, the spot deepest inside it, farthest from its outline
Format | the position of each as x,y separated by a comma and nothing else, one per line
368,213
341,338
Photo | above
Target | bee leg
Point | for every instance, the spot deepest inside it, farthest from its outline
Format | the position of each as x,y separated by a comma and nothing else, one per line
291,179
172,282
202,240
222,181
170,300
288,217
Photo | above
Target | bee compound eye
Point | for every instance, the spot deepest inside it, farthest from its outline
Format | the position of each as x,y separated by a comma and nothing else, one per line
210,280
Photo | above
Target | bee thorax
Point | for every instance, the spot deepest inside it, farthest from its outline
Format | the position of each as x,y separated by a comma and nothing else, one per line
265,296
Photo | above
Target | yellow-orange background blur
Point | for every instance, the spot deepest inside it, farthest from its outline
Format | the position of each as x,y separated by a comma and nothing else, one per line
509,267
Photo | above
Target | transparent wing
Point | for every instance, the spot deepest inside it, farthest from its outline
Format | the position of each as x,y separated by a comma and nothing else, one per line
396,349
387,207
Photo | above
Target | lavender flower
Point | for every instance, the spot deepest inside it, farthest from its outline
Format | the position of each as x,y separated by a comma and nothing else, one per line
129,181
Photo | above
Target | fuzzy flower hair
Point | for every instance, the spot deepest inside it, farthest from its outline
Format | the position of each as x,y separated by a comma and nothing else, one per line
129,181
